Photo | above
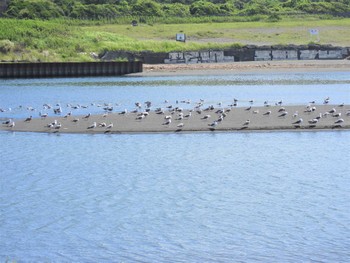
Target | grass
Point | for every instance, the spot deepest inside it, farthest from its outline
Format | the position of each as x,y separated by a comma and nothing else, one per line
71,40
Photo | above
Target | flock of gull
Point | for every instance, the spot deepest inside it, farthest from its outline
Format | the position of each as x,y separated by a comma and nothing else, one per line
177,116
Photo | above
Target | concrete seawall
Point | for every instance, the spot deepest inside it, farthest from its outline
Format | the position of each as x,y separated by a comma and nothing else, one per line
68,69
245,53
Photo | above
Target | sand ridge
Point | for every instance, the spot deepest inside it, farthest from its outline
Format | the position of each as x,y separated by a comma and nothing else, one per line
251,118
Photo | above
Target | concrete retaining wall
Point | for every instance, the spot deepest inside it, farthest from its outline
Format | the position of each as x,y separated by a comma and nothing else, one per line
247,53
69,69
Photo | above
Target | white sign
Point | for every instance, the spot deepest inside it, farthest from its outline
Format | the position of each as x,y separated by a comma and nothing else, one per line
314,31
181,37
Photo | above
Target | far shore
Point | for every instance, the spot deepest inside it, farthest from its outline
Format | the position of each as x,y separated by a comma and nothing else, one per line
284,66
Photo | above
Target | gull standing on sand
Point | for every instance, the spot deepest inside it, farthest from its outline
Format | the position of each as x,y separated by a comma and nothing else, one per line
7,122
267,113
339,121
313,121
246,123
29,118
213,124
11,124
298,121
110,126
93,126
167,122
87,116
283,114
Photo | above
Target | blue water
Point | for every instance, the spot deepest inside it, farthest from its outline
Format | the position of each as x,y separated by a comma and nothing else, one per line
200,197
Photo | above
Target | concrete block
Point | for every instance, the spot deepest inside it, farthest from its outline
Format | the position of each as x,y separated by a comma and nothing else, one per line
308,54
261,55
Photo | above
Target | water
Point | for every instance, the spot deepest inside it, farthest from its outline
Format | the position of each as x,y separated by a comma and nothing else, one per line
203,197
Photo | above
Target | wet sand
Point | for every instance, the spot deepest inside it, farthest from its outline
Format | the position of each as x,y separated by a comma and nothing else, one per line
231,119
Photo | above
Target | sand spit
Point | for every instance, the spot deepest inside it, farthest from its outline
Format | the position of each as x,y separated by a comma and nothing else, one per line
263,118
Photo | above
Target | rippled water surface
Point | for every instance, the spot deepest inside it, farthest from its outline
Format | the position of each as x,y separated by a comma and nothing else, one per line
201,197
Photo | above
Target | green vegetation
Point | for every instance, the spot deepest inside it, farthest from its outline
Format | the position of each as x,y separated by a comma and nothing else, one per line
70,30
111,9
75,40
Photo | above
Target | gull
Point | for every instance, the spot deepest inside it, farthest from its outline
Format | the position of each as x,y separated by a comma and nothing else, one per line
337,114
102,124
246,123
281,109
180,125
110,126
140,117
188,115
213,124
221,118
7,122
167,122
58,126
167,117
341,105
332,110
29,118
87,116
280,102
319,116
249,108
298,121
267,113
326,100
325,114
295,114
11,124
205,117
43,115
68,114
283,114
93,126
313,121
75,120
256,111
124,112
339,121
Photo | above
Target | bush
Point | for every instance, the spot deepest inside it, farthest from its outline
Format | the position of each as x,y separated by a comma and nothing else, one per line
6,46
204,8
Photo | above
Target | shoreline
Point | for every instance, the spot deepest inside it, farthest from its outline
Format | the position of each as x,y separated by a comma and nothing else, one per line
283,66
229,119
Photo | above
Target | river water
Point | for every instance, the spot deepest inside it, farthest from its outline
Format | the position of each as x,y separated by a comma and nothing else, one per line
195,197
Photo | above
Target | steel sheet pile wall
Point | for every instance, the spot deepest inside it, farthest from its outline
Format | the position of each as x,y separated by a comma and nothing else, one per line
68,69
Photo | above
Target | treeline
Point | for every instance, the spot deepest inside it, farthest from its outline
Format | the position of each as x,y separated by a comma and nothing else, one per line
111,9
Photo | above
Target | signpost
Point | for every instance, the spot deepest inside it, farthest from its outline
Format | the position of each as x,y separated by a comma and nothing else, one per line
314,33
181,37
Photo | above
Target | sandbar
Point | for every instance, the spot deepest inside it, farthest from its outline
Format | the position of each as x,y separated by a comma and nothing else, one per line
262,118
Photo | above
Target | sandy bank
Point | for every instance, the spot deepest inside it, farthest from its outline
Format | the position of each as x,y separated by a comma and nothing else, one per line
245,67
171,120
